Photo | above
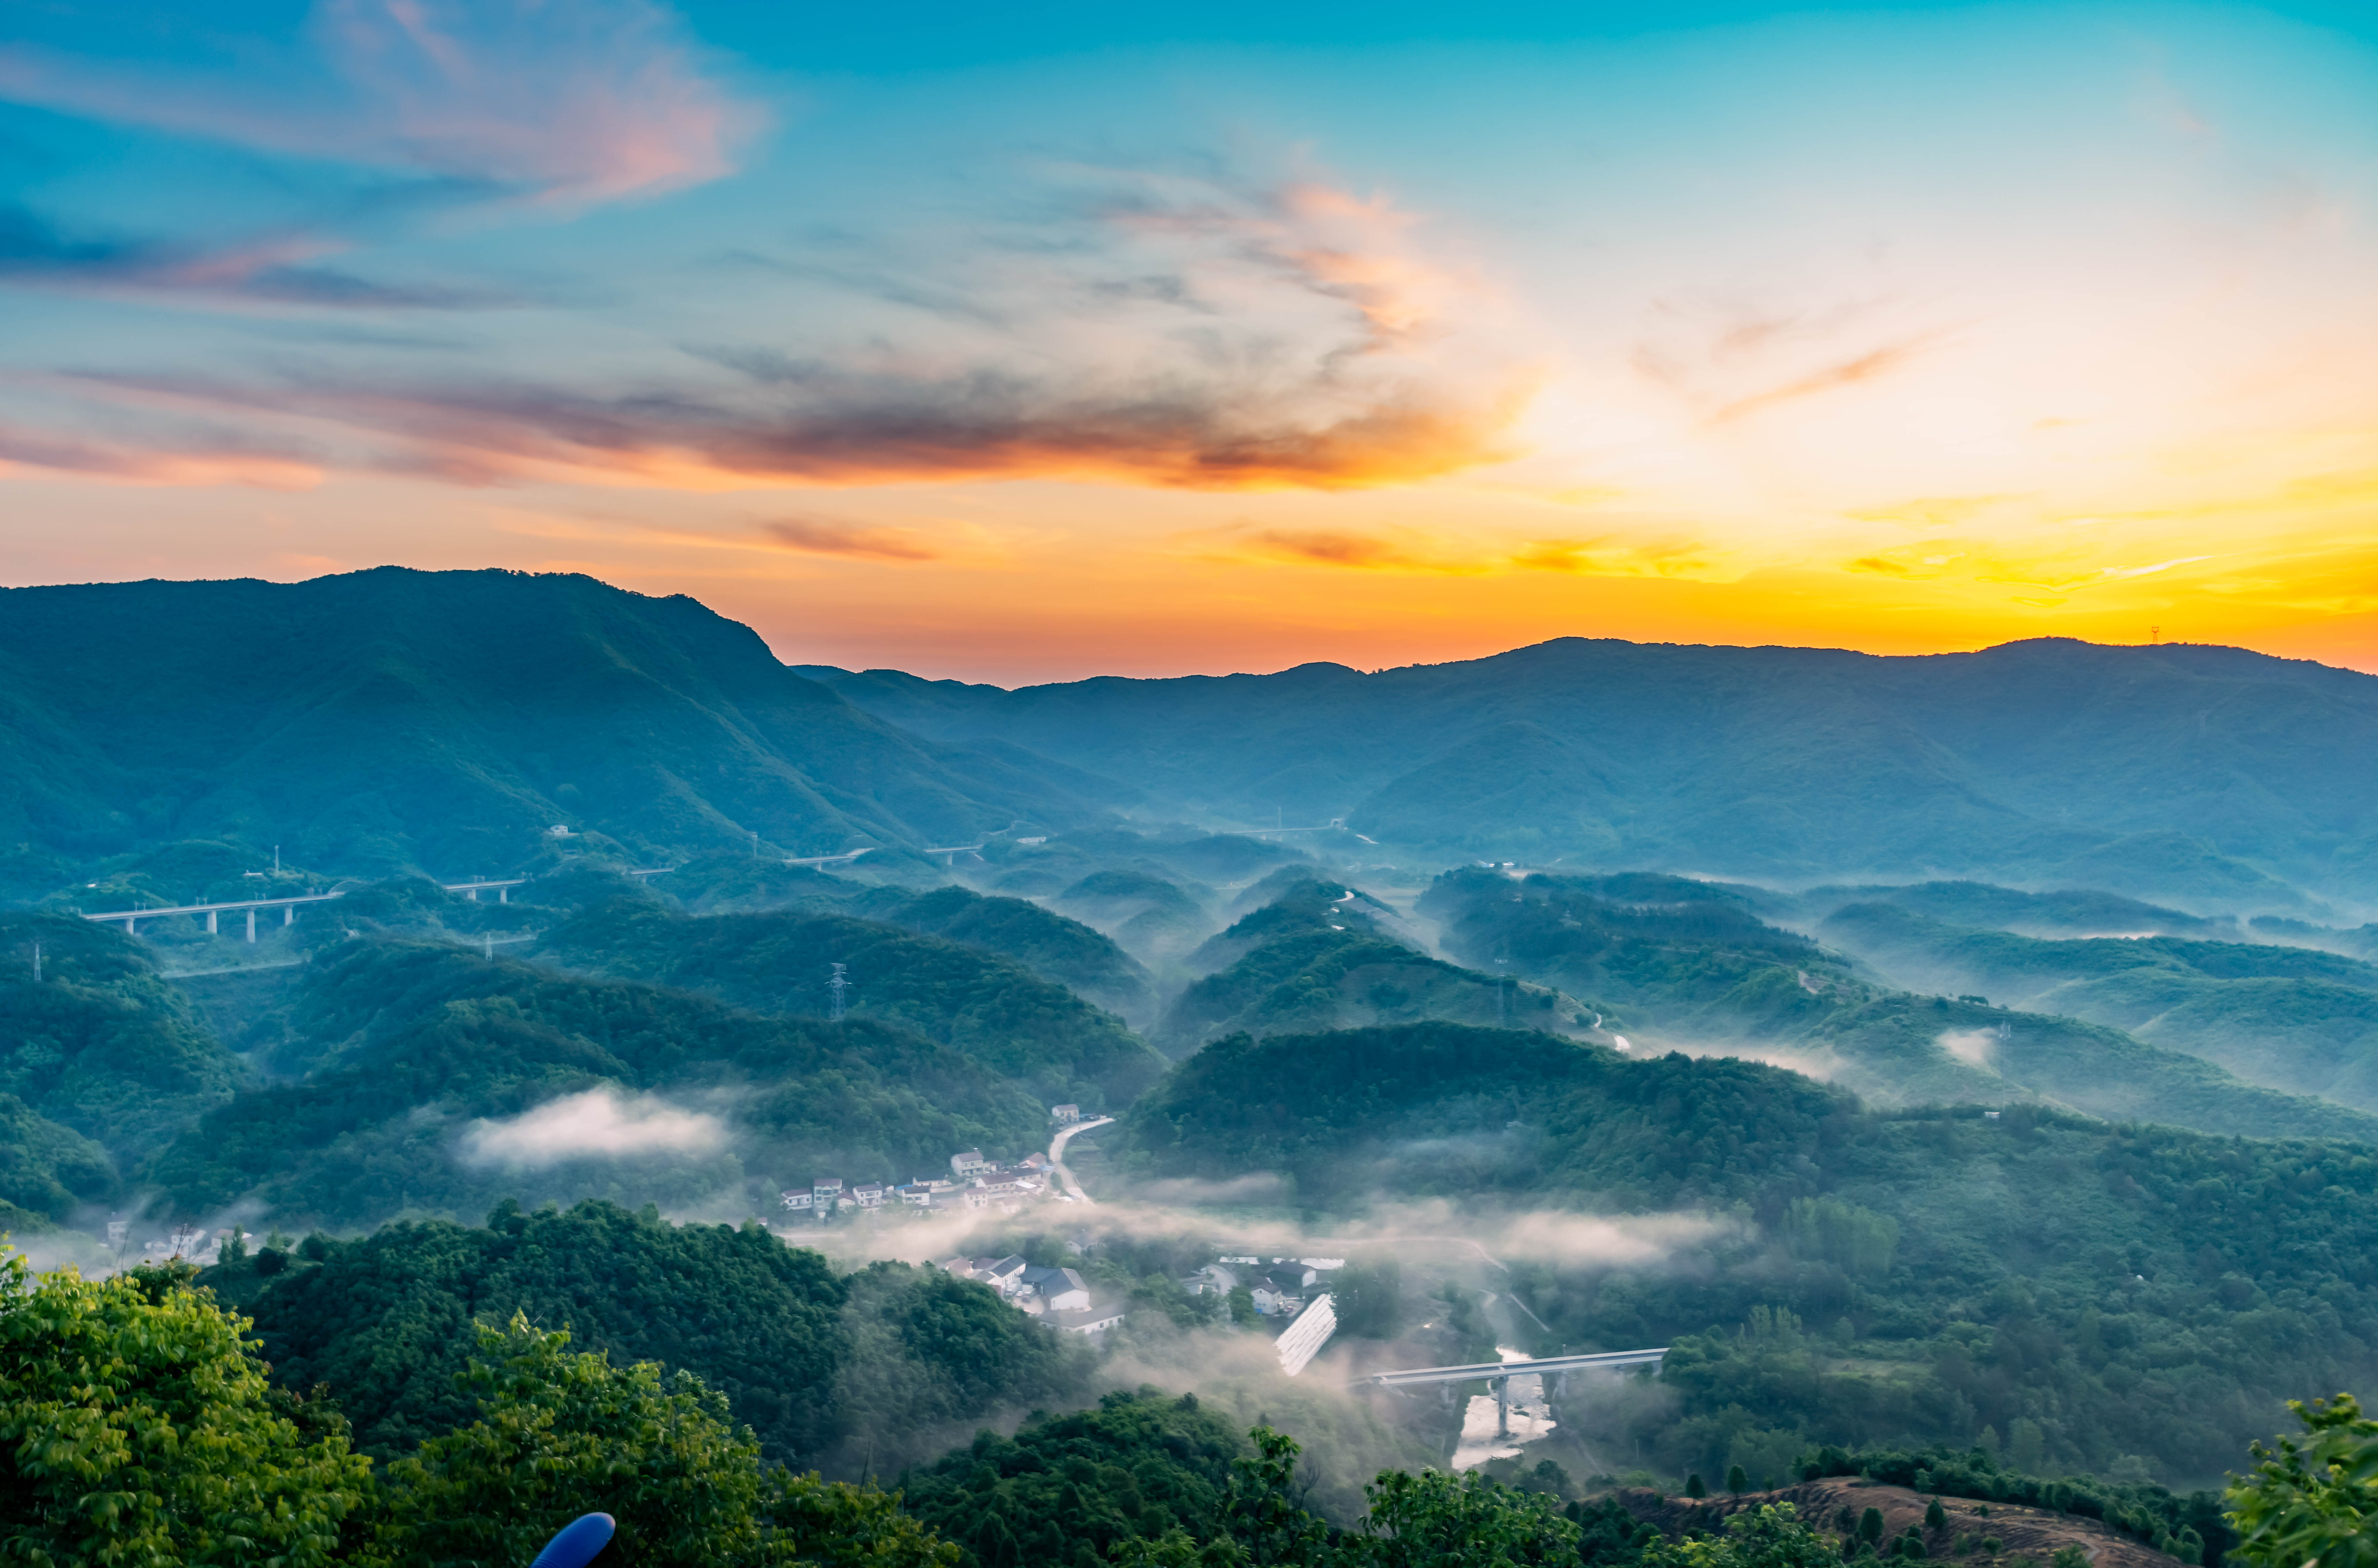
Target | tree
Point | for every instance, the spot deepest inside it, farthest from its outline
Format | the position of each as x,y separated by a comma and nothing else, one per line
135,1426
1459,1521
1259,1511
1869,1528
1935,1516
1243,1307
1770,1536
2313,1504
1695,1487
1368,1299
1736,1482
561,1434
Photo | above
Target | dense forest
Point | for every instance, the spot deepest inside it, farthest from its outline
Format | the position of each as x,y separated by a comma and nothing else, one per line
1691,963
2078,1291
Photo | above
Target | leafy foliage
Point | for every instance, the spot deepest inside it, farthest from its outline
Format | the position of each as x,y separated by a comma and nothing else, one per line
2314,1503
1139,1466
560,1434
135,1428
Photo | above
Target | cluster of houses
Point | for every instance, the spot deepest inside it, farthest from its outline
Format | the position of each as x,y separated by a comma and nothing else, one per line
1056,1295
1280,1286
973,1182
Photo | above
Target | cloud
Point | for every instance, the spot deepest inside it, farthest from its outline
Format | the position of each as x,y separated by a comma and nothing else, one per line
1322,353
599,1123
1975,1047
270,268
1867,366
1333,548
839,427
548,100
132,464
820,536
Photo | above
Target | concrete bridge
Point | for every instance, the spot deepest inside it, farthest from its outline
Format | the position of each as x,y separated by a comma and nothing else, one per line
287,905
1497,1374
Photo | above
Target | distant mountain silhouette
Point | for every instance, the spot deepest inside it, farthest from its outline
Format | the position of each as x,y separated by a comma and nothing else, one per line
392,719
2211,776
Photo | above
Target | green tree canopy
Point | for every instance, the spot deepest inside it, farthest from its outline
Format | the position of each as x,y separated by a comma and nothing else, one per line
562,1434
137,1429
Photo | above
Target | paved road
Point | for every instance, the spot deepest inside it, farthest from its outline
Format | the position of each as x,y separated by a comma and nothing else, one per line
1057,1156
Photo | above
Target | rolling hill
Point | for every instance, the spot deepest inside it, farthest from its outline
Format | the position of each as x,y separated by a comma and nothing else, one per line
2208,777
2298,1019
1684,963
392,720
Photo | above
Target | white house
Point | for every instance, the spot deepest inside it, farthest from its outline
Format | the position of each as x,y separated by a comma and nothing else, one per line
827,1189
917,1194
1092,1320
968,1162
804,1199
1003,1274
1065,1116
868,1194
1059,1290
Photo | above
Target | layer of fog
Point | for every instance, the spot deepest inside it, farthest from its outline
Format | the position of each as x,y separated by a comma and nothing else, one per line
600,1123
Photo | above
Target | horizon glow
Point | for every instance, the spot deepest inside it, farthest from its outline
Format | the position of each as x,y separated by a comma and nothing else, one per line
1059,344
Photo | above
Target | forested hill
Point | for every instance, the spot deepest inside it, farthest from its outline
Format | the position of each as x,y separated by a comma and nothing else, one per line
983,1005
2187,774
453,1081
397,719
2094,1290
1687,964
811,1359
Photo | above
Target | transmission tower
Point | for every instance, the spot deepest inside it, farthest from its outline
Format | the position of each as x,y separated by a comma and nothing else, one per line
840,987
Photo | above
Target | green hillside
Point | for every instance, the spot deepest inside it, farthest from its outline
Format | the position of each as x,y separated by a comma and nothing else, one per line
2090,1289
814,1361
394,719
987,1006
2210,777
1079,957
1683,964
1323,956
102,1051
2296,1018
431,1050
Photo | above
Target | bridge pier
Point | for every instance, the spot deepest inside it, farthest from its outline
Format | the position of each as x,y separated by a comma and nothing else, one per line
251,926
288,913
210,922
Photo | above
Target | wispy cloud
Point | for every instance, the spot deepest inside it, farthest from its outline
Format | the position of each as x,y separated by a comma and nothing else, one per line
820,536
1322,358
548,100
600,1123
131,462
270,268
1867,366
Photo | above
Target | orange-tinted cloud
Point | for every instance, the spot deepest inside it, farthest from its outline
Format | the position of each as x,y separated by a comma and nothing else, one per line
820,536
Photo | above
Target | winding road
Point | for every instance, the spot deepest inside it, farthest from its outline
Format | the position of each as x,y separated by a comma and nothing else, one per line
1057,1156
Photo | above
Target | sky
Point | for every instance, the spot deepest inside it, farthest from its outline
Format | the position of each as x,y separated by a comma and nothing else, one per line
1035,342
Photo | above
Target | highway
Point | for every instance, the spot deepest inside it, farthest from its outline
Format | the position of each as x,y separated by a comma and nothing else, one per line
1057,1156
